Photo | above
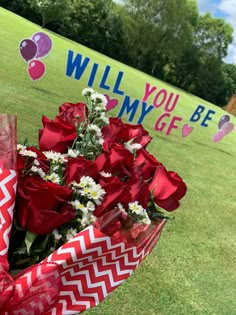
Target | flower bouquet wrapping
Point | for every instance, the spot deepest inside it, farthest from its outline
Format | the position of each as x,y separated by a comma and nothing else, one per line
90,205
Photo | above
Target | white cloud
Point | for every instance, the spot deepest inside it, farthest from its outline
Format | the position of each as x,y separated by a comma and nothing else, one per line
228,7
206,6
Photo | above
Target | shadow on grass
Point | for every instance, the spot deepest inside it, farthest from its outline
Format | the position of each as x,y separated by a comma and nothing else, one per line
214,148
44,91
171,140
181,142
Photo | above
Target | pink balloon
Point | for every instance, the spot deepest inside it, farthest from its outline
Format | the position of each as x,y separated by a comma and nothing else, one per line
44,44
227,127
36,69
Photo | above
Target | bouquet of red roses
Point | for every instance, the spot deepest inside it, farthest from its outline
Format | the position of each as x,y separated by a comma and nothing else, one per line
90,205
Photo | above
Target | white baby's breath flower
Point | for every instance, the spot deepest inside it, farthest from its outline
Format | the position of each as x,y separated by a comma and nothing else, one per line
87,91
28,153
53,177
96,129
71,233
87,219
132,147
90,206
56,235
99,99
100,141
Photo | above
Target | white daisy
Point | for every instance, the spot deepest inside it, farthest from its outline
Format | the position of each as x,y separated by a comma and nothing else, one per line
73,153
99,99
104,174
55,157
132,147
87,91
20,147
97,193
86,181
136,208
28,153
53,177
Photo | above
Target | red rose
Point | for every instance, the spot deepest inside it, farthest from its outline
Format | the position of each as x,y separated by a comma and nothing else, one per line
42,206
117,131
57,135
73,113
167,188
78,167
116,192
118,160
139,191
138,134
145,164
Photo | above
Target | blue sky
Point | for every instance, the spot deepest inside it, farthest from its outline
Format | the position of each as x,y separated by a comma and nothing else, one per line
225,9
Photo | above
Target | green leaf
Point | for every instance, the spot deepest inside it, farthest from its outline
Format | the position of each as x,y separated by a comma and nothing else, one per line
29,239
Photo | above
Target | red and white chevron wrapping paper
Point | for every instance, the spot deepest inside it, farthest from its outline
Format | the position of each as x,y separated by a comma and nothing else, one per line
8,180
93,265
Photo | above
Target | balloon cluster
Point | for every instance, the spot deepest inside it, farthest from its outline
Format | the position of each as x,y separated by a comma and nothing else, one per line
224,128
33,49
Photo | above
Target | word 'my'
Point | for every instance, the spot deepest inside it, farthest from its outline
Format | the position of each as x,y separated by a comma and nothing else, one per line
79,65
165,122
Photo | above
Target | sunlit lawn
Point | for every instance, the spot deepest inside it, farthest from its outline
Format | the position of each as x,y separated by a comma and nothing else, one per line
192,270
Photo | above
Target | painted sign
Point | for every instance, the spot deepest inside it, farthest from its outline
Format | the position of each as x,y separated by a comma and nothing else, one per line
153,98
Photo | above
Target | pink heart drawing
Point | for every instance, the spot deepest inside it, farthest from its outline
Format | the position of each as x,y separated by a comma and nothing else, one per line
111,103
186,130
218,136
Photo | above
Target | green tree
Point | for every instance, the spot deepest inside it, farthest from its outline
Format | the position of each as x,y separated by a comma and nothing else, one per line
95,24
158,31
213,35
229,73
51,10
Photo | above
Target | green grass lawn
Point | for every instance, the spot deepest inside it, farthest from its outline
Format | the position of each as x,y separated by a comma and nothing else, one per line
192,270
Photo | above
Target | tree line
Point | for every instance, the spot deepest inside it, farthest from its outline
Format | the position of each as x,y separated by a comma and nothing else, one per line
167,39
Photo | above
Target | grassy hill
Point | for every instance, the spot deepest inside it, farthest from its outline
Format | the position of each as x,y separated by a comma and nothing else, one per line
192,270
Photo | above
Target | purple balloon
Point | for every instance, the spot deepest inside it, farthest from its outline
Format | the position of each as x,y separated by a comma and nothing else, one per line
44,44
224,119
28,49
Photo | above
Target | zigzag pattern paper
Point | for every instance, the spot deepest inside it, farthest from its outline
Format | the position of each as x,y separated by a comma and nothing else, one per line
93,265
8,180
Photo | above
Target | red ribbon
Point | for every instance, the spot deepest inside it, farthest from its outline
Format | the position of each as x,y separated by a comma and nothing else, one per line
34,291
